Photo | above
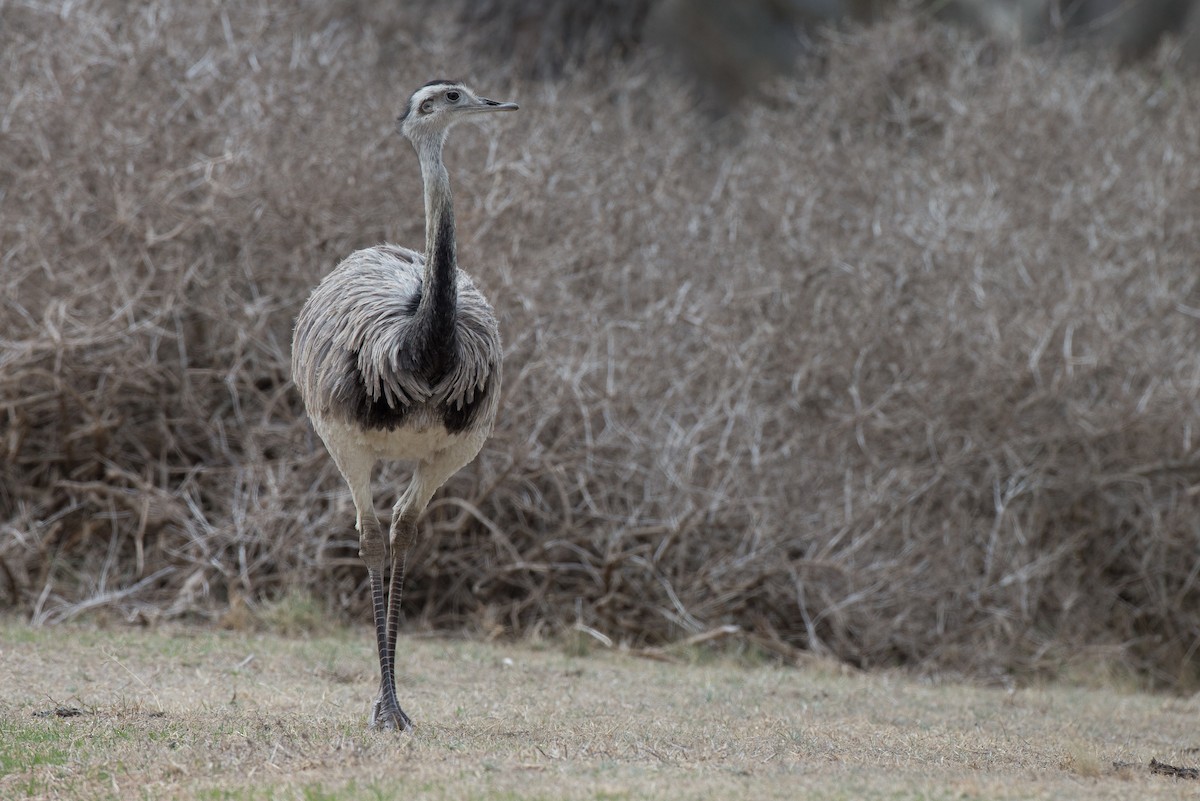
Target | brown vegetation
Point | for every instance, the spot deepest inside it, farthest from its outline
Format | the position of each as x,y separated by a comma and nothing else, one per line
903,370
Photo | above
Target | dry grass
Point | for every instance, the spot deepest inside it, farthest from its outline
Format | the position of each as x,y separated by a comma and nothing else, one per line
899,371
190,714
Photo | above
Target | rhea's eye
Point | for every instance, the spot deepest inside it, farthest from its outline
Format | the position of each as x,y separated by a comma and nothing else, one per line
453,97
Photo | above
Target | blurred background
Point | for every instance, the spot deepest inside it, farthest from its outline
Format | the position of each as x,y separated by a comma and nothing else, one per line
869,329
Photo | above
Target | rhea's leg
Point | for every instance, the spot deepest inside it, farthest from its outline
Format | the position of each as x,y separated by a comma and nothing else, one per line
428,476
385,711
373,550
403,529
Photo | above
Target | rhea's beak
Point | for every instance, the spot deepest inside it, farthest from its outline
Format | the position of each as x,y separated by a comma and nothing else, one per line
493,105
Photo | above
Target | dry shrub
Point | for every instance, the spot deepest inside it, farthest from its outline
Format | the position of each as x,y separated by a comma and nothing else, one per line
545,38
902,371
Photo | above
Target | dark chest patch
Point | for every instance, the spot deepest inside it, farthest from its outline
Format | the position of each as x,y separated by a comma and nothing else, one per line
459,419
377,415
357,406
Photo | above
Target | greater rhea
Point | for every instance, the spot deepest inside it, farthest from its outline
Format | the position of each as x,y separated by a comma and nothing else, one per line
397,356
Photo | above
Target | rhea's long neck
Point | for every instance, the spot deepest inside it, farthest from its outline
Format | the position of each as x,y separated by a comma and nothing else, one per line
439,295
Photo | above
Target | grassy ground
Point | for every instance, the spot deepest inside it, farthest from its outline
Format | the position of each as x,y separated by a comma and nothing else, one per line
202,714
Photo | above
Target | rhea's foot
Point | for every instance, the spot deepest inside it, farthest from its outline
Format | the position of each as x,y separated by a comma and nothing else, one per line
386,715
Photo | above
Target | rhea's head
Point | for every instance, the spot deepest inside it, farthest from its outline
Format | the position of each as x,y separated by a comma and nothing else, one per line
437,105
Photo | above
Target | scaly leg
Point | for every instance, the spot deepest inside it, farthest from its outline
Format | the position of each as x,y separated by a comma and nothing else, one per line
374,551
385,712
428,476
403,531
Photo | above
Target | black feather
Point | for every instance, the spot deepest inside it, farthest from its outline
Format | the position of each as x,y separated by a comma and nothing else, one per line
459,418
433,347
358,406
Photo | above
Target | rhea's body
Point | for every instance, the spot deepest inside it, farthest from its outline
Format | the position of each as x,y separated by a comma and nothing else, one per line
443,421
361,386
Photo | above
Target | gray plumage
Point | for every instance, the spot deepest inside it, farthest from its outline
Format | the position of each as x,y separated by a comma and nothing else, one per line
397,356
358,340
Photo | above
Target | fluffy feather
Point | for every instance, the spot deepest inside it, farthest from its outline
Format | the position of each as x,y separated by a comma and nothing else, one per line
364,343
